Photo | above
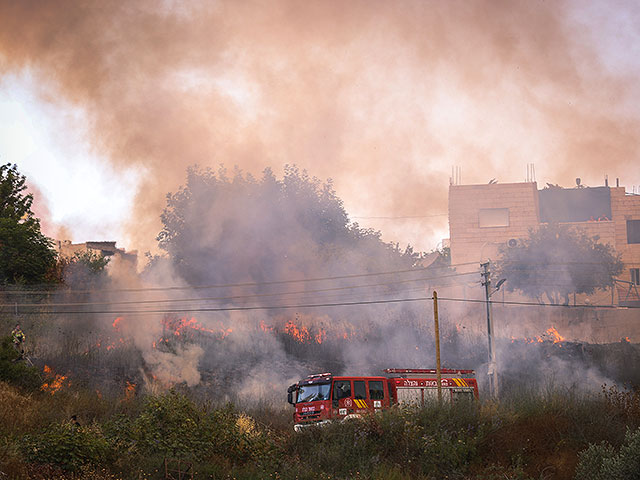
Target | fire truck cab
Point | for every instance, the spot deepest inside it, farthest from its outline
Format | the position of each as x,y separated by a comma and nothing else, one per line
324,397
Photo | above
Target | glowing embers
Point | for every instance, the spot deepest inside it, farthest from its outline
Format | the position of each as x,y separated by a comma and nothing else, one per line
54,381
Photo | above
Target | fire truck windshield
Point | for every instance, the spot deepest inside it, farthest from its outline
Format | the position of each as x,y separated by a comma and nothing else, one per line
314,392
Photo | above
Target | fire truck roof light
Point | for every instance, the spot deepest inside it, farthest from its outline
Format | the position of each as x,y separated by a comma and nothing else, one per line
316,375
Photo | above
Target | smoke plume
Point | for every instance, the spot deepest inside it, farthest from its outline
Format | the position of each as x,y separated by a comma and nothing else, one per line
383,97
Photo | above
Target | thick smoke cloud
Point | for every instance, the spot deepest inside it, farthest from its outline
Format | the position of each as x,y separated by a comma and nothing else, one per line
384,97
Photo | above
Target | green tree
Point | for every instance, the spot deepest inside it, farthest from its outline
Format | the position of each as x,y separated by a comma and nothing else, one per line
26,255
556,261
83,269
259,229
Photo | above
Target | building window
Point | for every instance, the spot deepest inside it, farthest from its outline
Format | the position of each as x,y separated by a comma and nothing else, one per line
493,217
633,231
635,275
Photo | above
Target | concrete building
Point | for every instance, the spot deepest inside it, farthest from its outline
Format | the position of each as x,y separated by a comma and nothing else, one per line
484,218
117,256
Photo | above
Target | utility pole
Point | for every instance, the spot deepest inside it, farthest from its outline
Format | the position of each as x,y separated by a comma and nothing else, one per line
437,334
493,375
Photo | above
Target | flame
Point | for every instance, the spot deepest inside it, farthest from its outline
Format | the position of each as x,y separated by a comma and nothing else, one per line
626,339
299,333
265,328
321,336
130,391
550,334
56,383
116,323
181,327
555,335
303,335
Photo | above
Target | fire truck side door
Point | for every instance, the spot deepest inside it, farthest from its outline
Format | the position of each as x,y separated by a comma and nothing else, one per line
360,394
376,394
341,389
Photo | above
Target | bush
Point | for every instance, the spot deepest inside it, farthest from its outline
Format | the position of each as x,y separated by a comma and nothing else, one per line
14,371
67,446
171,426
423,441
602,462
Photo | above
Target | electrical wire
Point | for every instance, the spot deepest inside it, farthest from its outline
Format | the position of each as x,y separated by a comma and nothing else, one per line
536,304
244,284
317,305
233,297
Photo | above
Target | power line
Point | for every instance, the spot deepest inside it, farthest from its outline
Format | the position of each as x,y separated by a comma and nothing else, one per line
238,308
233,297
535,304
317,305
244,284
519,265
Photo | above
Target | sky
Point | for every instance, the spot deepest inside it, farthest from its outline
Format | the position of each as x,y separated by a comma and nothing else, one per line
104,104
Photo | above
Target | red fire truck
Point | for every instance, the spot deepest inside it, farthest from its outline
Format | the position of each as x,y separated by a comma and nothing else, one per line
324,397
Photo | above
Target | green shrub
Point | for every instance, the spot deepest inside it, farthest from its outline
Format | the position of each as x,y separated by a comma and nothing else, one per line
171,425
67,446
423,441
15,371
602,462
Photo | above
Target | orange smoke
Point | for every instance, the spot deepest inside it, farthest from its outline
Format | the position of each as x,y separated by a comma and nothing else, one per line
571,104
